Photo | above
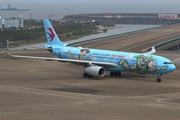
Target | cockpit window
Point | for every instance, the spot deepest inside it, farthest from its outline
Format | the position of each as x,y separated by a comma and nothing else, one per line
167,62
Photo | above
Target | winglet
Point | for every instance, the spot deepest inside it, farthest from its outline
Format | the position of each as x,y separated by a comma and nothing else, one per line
8,53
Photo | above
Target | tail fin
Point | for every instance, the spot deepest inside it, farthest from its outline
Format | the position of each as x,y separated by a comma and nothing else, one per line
51,35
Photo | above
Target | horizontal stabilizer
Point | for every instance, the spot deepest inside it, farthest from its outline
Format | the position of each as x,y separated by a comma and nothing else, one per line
153,50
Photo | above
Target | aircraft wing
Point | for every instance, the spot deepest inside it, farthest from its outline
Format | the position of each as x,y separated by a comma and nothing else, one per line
78,62
153,50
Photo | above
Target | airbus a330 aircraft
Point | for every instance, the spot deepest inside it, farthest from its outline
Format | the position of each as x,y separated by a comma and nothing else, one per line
96,62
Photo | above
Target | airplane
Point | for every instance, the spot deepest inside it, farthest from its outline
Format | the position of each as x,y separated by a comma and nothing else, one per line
96,61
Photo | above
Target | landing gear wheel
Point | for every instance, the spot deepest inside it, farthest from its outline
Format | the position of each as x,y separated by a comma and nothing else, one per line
119,73
85,75
115,73
158,80
90,76
112,73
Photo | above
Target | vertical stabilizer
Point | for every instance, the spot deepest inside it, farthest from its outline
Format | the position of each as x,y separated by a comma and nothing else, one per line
51,35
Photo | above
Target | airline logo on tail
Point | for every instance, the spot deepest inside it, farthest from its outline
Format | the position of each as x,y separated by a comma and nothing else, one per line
51,34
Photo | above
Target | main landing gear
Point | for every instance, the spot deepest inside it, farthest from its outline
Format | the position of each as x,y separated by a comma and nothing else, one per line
158,78
87,75
115,73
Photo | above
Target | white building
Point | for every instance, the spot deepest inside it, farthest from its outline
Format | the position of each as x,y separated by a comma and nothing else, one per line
167,16
14,23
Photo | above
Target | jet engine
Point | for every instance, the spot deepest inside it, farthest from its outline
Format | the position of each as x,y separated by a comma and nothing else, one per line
95,71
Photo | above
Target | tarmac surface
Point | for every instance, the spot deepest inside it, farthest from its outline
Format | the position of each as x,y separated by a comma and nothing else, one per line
48,90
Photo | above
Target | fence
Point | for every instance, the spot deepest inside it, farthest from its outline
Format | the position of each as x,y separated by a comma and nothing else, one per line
172,45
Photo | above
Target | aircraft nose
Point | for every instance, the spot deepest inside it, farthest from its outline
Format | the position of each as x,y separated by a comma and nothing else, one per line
172,67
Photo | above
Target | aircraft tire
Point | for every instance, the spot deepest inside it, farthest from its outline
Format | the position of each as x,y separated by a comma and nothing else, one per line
111,73
115,73
119,73
90,76
158,80
85,75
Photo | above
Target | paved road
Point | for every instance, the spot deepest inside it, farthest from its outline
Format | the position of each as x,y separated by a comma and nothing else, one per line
44,90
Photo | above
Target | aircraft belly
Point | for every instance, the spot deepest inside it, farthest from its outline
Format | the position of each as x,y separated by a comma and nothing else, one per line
56,52
116,69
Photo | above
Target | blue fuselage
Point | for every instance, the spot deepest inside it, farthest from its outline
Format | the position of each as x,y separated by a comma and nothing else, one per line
126,61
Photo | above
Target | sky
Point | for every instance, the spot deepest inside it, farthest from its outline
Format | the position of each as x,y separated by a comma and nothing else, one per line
92,1
131,3
58,7
147,3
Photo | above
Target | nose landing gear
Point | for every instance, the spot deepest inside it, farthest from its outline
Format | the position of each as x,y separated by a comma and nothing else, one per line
158,78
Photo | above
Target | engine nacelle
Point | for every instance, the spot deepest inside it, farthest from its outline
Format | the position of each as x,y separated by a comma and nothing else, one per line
95,71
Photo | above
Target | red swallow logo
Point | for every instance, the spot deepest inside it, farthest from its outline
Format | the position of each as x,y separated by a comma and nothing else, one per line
51,34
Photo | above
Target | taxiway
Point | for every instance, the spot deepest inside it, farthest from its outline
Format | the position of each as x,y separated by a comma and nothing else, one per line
50,90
